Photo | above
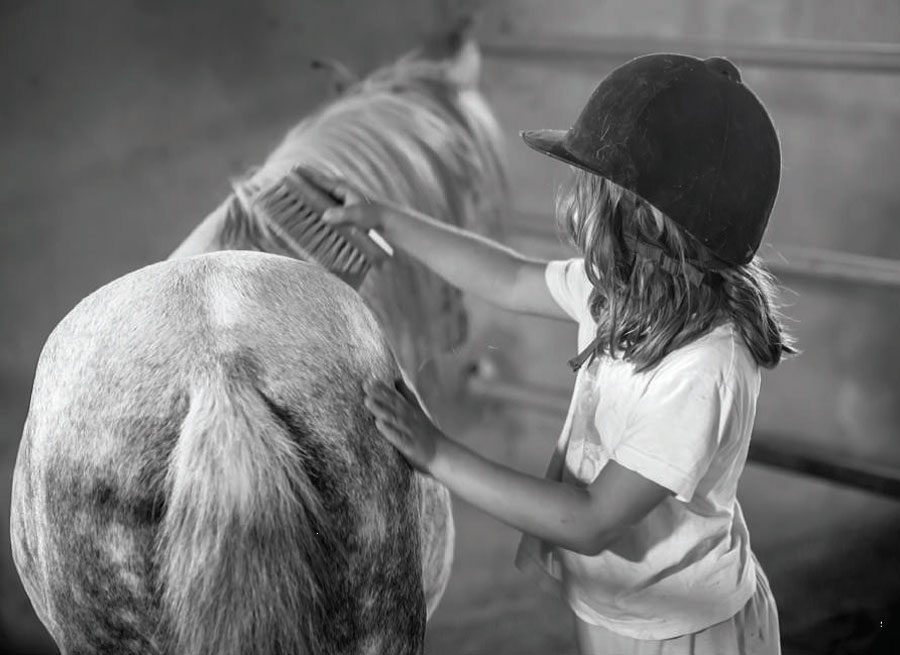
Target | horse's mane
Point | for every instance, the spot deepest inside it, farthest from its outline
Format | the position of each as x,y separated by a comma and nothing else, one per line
413,133
410,133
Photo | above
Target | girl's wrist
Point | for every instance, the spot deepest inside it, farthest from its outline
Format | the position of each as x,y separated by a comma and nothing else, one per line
443,447
390,217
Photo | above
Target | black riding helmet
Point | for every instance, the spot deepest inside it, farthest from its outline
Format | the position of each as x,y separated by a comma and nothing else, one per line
688,137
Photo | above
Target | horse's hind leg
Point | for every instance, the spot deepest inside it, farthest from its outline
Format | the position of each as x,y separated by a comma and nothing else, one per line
82,543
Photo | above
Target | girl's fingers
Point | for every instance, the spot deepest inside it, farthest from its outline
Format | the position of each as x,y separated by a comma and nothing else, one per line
383,400
378,400
398,439
391,419
387,414
336,215
389,433
407,447
337,187
361,215
377,410
387,396
401,387
398,422
348,193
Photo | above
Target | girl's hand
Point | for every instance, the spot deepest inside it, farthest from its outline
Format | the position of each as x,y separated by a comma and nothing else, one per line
401,420
355,210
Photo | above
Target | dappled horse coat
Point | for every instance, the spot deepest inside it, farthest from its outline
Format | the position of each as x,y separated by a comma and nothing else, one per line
197,472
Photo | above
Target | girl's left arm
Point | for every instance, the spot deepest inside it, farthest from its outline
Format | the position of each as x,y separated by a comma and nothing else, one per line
582,519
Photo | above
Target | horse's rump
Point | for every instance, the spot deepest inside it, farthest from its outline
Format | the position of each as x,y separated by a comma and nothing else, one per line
198,474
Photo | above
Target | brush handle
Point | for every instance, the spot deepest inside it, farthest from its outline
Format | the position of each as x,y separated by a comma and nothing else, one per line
380,241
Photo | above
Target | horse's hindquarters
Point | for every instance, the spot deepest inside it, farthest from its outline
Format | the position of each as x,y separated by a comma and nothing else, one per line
197,426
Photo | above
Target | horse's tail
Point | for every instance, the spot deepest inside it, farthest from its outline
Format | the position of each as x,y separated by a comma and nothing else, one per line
240,549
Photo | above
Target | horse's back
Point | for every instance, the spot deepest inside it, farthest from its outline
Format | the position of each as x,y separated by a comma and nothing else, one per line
92,521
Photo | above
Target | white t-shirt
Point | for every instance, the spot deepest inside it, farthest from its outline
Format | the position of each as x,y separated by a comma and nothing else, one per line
685,425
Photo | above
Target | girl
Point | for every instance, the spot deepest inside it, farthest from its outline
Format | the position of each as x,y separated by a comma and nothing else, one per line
676,167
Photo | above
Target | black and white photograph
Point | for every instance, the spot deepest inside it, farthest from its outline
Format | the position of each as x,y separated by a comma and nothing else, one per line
450,327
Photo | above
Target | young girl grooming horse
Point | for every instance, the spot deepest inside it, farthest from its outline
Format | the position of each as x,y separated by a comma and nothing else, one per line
676,168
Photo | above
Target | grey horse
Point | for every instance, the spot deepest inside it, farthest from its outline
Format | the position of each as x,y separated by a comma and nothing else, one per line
197,472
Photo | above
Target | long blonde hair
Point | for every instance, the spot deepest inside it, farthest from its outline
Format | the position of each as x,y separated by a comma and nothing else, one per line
647,306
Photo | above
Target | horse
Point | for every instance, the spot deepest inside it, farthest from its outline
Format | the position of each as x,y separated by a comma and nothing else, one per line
418,133
197,473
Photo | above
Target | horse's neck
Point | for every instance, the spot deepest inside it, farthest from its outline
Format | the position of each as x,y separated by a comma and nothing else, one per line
206,237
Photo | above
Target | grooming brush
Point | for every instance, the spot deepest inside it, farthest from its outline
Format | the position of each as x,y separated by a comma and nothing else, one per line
293,209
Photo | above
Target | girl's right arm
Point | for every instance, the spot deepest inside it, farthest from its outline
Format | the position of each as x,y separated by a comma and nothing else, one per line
469,261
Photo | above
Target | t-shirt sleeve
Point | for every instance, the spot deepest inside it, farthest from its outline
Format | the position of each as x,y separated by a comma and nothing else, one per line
675,431
569,285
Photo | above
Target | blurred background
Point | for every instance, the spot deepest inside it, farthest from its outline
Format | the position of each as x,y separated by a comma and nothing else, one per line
121,123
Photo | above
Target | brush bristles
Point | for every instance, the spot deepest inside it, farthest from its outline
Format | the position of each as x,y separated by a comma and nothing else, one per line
293,211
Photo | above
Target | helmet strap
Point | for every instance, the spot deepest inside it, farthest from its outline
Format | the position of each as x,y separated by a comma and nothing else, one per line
589,352
661,259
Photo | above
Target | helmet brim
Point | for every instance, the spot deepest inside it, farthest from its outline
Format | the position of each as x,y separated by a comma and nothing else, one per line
552,144
548,142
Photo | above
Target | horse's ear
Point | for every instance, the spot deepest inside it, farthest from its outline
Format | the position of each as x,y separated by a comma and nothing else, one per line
342,78
456,47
